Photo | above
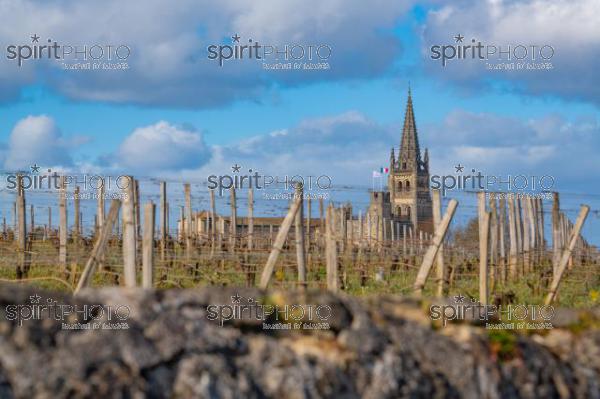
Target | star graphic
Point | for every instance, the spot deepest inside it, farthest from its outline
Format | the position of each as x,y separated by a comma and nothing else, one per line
35,168
34,298
235,38
459,298
459,168
459,38
236,168
35,38
235,298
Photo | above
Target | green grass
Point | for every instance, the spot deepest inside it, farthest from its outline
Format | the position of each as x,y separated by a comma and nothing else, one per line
227,271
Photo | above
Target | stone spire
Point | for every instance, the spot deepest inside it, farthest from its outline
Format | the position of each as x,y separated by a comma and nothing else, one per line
410,153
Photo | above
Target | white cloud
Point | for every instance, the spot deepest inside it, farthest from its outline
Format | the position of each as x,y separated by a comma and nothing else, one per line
548,145
162,147
169,64
36,139
570,26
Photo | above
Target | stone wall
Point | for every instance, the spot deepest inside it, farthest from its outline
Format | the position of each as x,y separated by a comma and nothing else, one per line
382,347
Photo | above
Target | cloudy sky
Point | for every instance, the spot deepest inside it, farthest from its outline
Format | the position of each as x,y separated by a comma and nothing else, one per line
176,113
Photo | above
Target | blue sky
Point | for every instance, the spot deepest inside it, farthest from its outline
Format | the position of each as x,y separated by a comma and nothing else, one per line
529,122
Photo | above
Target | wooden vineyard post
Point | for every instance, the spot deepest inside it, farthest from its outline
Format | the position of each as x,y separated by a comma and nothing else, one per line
136,210
519,230
483,258
250,219
344,233
99,246
429,256
32,219
331,252
14,219
267,272
556,244
442,281
129,244
213,221
22,266
187,224
501,234
528,225
493,261
566,255
148,246
360,227
540,227
512,232
300,247
62,229
181,228
369,228
308,218
233,220
100,204
76,215
164,227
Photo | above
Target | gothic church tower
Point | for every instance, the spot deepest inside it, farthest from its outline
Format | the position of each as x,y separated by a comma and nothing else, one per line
408,181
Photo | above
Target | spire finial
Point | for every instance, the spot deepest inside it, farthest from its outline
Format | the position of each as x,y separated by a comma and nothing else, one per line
409,88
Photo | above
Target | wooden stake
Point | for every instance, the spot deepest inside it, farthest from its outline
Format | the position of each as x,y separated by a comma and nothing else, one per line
483,258
100,204
501,233
250,219
233,220
76,214
188,225
528,224
213,220
22,266
442,281
32,219
566,255
99,246
331,252
438,238
62,230
512,232
148,246
493,261
164,227
278,244
321,215
129,247
556,247
300,249
519,230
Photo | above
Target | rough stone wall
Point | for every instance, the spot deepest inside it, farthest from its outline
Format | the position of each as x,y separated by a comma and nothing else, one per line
381,347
